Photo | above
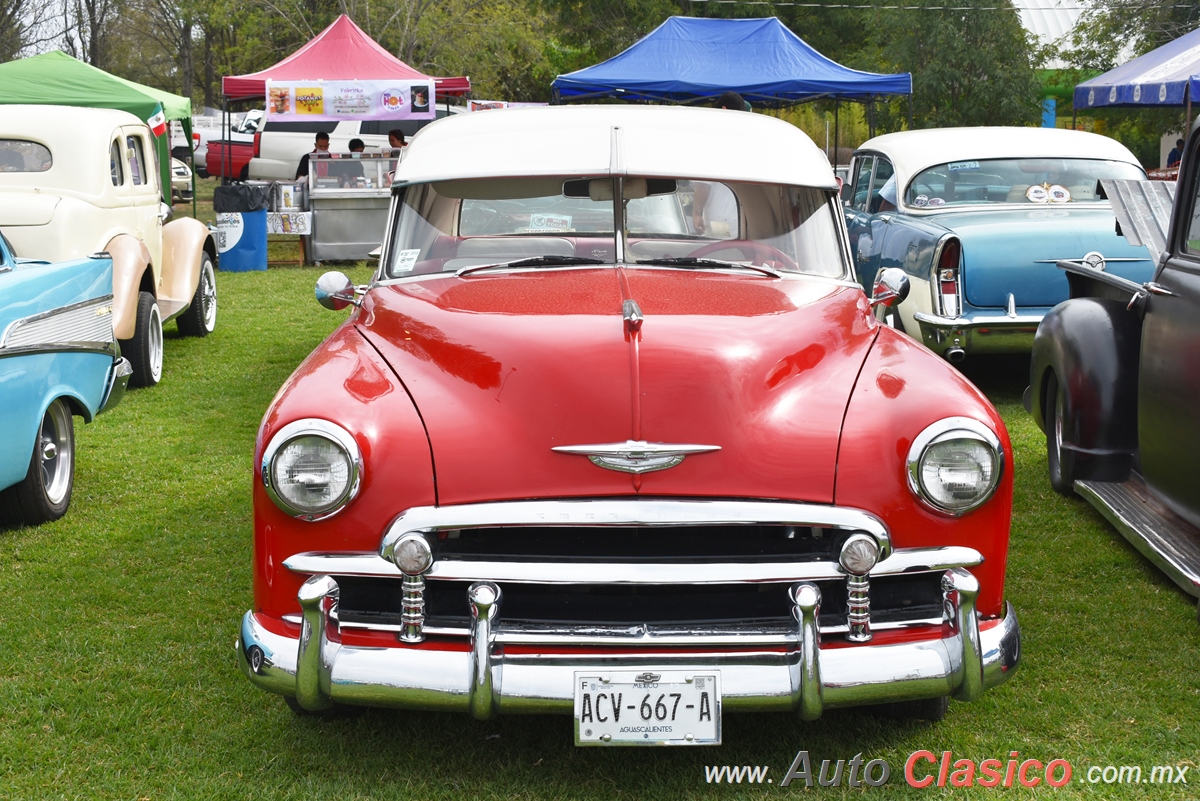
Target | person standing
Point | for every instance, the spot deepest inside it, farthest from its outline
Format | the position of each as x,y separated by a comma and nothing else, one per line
1176,155
320,145
397,141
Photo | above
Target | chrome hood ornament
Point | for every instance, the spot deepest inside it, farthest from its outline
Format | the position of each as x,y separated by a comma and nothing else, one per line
636,456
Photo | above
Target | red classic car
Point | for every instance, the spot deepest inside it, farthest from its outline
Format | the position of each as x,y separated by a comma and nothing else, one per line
641,473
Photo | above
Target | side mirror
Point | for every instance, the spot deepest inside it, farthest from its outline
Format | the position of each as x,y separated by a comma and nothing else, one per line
335,291
891,287
165,212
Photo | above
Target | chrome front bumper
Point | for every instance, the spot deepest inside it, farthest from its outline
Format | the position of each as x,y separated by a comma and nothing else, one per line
979,333
485,678
118,382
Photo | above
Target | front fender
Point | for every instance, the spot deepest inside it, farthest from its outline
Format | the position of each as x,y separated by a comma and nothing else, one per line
1091,346
184,241
130,260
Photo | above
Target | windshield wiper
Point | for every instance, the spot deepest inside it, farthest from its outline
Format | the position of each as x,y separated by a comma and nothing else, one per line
691,261
533,261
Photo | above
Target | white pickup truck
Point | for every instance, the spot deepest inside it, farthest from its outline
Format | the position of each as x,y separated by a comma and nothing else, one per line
280,146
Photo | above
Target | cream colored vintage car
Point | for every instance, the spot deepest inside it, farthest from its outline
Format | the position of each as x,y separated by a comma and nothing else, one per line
76,181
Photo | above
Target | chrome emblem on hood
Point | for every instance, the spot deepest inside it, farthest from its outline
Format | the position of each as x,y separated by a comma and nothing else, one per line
636,456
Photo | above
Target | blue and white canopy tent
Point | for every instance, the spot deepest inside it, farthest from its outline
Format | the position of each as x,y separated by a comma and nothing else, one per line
690,60
1166,76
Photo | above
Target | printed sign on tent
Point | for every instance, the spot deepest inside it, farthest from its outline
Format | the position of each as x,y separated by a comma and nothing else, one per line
316,101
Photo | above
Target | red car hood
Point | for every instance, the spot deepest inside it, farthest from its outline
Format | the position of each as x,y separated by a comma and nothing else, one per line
505,367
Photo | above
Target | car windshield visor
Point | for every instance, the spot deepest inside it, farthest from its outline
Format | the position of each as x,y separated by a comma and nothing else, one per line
1016,180
466,226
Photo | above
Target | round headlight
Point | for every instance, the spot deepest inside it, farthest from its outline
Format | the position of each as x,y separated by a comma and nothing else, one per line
312,469
955,465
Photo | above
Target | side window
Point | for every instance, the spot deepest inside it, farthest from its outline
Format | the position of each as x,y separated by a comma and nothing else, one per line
137,160
1191,244
862,182
115,161
883,200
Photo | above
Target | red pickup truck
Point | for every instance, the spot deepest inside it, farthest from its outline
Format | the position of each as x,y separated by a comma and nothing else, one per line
226,159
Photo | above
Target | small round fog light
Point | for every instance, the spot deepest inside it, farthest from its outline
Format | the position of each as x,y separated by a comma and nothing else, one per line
859,554
412,555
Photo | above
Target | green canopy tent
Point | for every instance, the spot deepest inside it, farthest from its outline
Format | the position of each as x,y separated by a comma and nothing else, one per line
56,79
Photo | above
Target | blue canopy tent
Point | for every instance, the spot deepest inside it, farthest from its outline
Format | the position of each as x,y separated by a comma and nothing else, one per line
1167,76
689,60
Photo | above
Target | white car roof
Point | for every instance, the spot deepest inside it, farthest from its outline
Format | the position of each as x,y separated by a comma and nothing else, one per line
664,141
78,140
913,151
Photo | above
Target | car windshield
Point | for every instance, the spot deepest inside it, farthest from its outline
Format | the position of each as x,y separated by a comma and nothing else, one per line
469,225
1032,180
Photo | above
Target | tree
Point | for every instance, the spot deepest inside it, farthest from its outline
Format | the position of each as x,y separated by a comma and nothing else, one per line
972,64
87,26
1109,30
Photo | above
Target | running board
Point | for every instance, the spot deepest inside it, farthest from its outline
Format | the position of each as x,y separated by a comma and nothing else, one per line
1163,537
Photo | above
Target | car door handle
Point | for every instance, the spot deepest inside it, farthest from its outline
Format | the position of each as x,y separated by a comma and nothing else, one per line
1157,289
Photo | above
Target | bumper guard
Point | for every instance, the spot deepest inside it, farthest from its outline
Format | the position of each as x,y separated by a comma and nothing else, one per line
319,671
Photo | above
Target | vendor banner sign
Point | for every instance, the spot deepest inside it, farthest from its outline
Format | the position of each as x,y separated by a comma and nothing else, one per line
300,101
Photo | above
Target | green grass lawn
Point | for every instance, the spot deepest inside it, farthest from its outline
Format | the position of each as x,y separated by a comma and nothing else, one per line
118,677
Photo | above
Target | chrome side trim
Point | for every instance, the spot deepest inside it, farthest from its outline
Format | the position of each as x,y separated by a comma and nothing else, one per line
902,560
649,512
83,325
107,348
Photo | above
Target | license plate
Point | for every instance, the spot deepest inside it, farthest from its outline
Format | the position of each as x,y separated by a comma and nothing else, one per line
647,707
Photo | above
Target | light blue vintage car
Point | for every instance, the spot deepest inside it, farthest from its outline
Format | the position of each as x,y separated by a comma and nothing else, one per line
57,359
977,218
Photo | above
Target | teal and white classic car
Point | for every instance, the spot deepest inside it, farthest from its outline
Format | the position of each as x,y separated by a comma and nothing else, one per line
58,359
977,218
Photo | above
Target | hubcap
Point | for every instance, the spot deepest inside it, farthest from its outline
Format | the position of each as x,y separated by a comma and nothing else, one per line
208,296
154,338
54,442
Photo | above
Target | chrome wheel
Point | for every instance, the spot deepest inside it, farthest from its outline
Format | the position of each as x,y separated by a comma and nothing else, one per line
55,448
207,292
154,344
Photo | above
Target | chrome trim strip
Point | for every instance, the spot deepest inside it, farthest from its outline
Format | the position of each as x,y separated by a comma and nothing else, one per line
752,680
649,512
978,321
639,635
107,348
902,560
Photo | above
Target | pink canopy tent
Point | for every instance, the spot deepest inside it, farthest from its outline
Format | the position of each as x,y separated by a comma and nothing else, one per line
340,52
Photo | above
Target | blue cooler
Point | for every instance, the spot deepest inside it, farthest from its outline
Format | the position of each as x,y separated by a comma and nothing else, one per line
241,231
